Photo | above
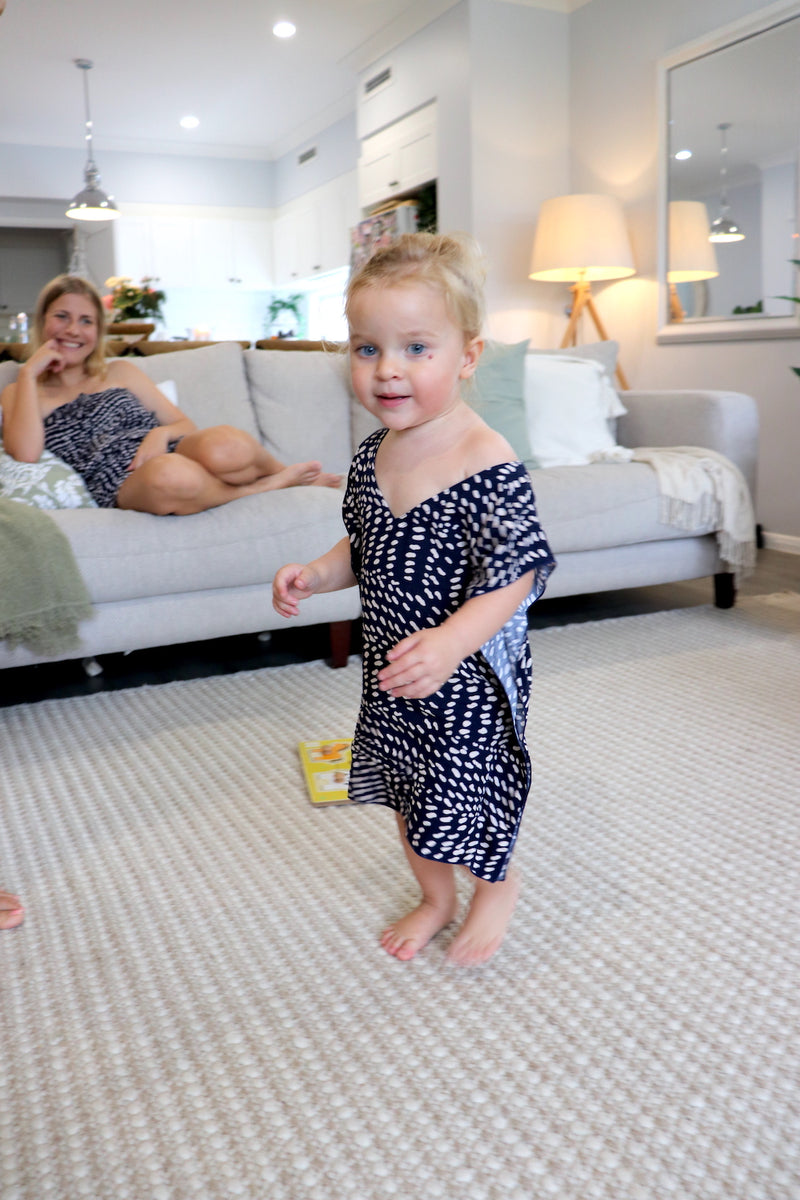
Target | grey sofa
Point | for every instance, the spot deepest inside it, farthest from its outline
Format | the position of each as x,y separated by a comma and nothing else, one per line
162,580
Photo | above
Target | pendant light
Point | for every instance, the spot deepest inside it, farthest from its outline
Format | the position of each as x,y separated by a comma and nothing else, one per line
91,203
724,229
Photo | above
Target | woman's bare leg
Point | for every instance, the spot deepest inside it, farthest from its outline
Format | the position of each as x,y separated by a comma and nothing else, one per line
237,458
486,922
180,484
11,911
438,907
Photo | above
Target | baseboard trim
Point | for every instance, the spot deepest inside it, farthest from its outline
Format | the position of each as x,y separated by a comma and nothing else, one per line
782,541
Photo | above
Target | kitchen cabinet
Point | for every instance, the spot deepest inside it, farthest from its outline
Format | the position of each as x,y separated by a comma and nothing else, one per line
232,253
311,235
399,158
184,249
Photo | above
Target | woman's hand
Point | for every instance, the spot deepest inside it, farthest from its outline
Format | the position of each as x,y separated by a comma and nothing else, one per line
153,443
420,664
293,583
47,358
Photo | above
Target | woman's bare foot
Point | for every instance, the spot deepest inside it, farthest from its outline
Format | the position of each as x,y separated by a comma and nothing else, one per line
407,936
486,922
11,911
297,475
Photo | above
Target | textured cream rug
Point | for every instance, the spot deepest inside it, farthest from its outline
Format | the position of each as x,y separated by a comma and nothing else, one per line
196,1005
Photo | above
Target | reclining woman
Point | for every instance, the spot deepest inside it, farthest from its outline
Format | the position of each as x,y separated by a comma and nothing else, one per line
111,424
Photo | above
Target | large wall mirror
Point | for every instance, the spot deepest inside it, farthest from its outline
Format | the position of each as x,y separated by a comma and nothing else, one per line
728,197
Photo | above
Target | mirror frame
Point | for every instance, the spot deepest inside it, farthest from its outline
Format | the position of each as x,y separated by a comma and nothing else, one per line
711,329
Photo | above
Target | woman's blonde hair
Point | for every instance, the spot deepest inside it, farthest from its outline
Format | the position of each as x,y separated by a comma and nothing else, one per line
72,285
450,263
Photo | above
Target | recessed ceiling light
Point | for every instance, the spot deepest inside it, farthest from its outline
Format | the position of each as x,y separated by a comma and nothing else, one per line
189,122
284,29
682,154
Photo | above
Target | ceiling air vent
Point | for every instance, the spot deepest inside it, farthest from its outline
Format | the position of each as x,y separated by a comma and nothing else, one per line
380,80
306,156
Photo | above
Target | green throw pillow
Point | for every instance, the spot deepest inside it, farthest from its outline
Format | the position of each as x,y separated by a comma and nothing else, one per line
498,395
48,483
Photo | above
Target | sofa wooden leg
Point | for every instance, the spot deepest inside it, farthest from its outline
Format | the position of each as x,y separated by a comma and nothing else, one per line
725,590
340,635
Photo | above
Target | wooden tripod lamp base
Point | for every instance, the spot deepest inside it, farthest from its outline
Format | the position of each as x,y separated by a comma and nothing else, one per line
582,299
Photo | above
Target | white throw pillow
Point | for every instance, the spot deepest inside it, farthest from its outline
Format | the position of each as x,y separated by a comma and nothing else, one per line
567,406
170,390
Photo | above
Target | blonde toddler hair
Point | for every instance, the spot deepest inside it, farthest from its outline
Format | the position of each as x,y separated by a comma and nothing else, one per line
450,263
72,285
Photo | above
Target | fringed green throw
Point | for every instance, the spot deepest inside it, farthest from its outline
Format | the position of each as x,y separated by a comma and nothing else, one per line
43,597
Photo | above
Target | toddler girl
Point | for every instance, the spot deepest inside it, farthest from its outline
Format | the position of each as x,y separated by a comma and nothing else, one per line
444,544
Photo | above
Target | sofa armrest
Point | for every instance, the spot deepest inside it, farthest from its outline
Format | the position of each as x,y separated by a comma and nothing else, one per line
723,421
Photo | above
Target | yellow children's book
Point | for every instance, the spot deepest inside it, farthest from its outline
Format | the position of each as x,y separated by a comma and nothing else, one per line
326,766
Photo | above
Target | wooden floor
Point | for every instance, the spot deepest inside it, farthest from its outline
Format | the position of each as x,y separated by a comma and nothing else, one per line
775,572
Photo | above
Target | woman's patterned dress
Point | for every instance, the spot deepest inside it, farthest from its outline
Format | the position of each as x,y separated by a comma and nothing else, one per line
97,434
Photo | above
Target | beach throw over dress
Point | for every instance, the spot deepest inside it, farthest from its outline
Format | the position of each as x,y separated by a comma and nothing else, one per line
454,764
97,434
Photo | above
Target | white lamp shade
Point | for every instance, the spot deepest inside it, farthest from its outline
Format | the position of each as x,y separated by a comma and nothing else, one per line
581,237
691,255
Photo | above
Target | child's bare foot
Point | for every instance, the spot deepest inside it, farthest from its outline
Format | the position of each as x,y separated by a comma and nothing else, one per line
11,911
405,937
486,922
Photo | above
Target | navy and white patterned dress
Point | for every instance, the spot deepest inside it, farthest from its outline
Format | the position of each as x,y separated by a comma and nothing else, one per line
454,764
97,434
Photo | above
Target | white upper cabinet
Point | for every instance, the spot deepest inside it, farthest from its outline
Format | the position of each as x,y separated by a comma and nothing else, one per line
232,253
396,159
311,235
182,249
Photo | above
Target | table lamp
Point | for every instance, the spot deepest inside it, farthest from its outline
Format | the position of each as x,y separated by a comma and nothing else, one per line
581,239
691,256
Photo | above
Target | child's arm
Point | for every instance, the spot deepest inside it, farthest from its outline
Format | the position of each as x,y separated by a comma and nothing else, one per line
296,582
422,662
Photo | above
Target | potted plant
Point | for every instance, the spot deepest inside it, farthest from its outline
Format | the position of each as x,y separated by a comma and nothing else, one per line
281,304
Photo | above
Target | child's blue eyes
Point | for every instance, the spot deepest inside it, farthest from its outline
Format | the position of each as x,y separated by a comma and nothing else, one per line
368,351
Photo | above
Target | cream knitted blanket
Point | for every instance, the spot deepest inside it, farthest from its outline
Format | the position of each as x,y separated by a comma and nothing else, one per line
701,489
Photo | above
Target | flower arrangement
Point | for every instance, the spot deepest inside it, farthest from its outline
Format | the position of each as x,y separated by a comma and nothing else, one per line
129,301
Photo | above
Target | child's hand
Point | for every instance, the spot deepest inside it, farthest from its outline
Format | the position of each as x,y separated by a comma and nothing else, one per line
420,664
293,583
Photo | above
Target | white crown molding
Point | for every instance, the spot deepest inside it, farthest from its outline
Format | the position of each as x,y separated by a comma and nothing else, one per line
404,26
564,6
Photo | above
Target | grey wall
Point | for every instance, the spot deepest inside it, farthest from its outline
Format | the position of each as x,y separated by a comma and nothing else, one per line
337,153
54,172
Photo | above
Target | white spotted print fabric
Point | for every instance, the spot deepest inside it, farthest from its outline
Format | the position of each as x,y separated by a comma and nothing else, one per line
454,764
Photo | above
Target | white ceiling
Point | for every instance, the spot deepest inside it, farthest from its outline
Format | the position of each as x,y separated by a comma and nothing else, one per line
157,60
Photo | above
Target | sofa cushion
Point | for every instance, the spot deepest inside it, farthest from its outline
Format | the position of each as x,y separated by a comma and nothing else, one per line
568,403
126,555
604,353
302,405
497,393
600,505
211,384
